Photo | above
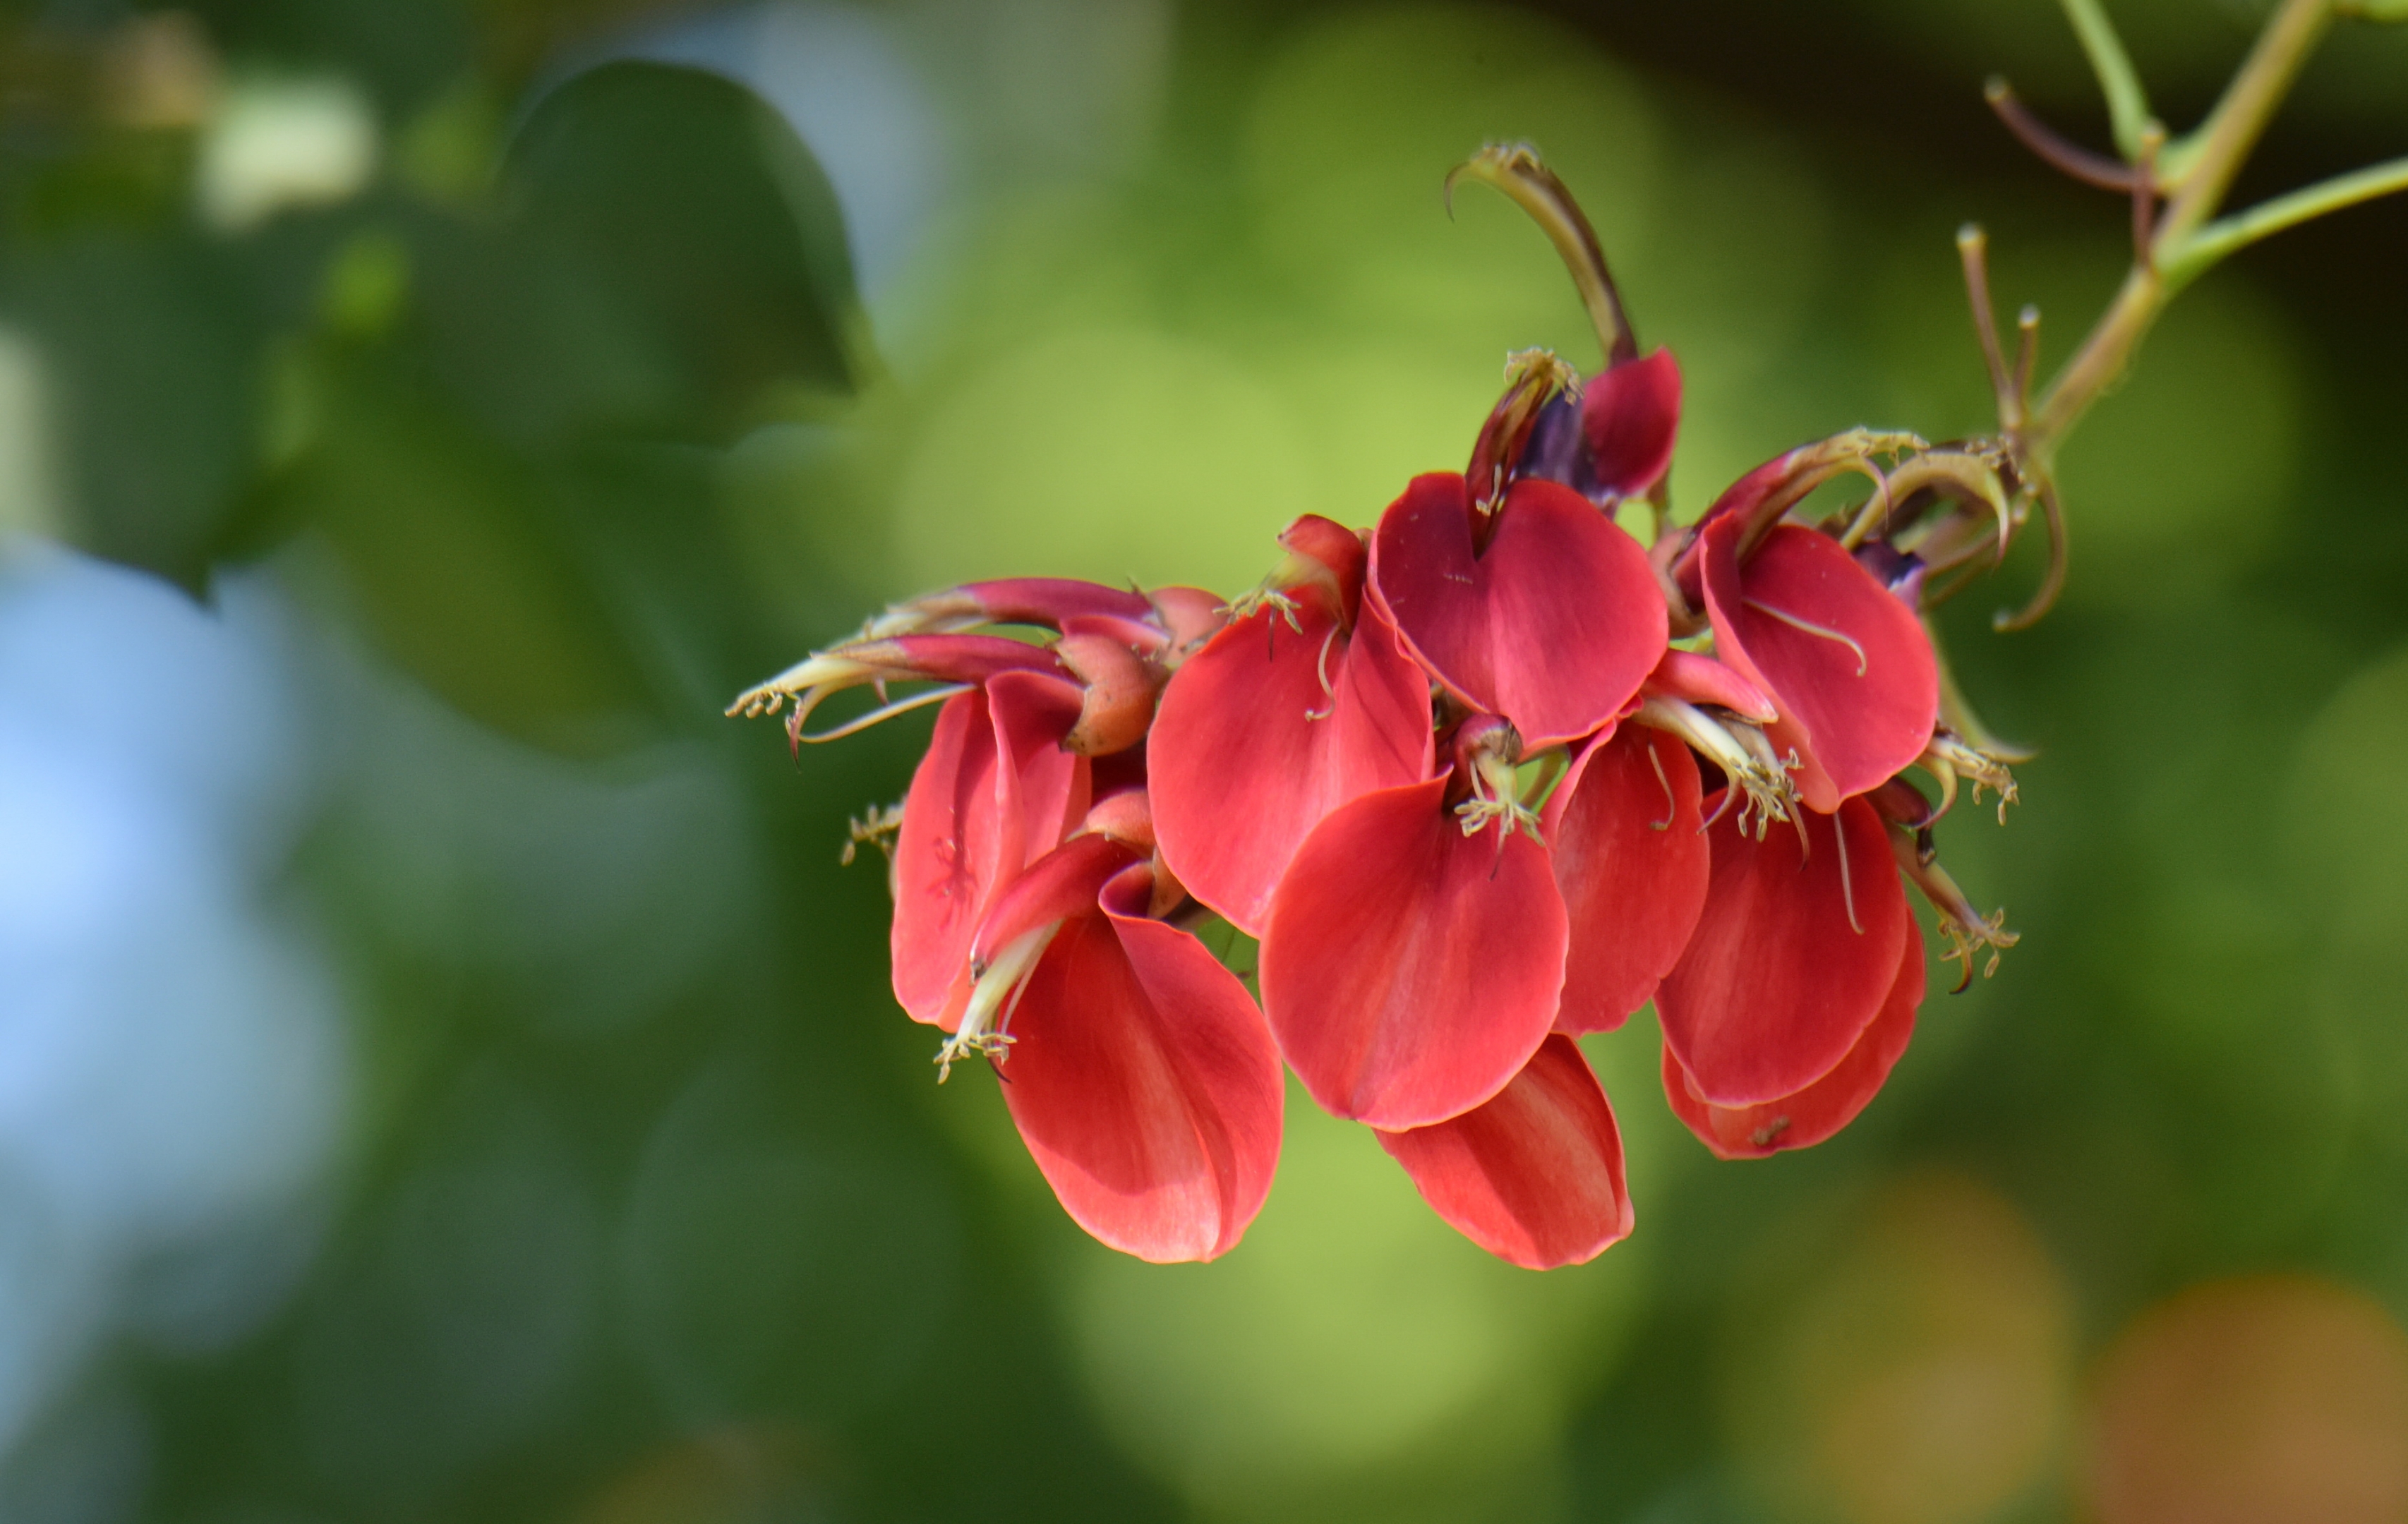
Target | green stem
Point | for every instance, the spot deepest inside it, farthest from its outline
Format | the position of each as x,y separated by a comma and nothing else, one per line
2222,144
2241,116
2128,104
2227,234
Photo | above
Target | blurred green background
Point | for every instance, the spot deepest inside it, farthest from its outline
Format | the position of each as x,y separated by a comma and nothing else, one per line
446,1075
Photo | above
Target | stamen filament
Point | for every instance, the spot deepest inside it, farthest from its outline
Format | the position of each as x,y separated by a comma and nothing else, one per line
1811,628
1494,798
1754,773
1965,929
1321,670
1847,883
998,985
1671,804
854,727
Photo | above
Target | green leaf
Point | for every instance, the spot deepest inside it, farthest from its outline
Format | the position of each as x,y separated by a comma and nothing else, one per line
461,559
670,263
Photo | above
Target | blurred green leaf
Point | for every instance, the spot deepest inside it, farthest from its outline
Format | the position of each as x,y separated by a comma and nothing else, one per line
150,355
451,549
669,261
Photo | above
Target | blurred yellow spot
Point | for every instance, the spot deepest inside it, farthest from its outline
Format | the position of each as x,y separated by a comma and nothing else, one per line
2276,1397
276,143
1904,1362
1104,453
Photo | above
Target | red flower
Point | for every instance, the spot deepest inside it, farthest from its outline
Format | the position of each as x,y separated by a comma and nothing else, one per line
1823,1107
1844,659
1295,707
1415,946
1846,663
1533,1176
1451,774
995,792
1632,866
1137,1069
1796,950
1542,612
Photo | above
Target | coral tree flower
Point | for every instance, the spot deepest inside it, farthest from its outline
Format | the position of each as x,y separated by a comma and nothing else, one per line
1796,949
1843,657
1415,947
1541,612
1137,1069
1306,702
995,792
1822,1109
1612,439
1533,1176
1632,866
1453,775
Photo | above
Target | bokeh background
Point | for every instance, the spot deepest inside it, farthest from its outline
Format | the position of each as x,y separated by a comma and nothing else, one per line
445,1073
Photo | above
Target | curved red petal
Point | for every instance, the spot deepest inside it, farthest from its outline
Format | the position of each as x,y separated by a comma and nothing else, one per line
1633,868
1554,626
1787,967
1533,1176
1145,1083
1822,1109
954,834
1045,601
1053,789
1410,971
1240,769
1846,661
1628,416
1061,884
1693,678
993,790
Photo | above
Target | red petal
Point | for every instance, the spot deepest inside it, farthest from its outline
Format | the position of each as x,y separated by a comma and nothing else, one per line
970,825
1145,1083
1534,1175
1061,884
1047,600
1241,770
954,834
1032,714
948,658
1633,869
1553,626
1702,679
1822,1109
1628,416
1408,970
1859,708
1777,985
1189,615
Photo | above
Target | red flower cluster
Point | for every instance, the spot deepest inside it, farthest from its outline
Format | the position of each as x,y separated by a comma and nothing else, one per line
1482,778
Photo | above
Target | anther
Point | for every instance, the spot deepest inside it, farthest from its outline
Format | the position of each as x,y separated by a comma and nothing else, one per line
878,826
997,986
